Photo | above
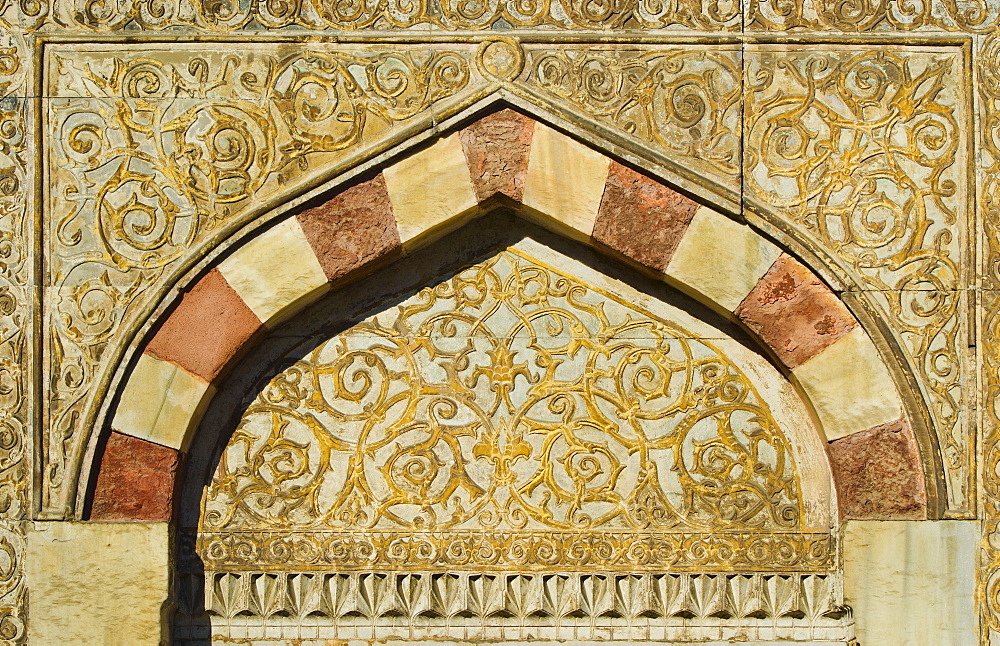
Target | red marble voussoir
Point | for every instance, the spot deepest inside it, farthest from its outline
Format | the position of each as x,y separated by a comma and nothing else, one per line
878,474
208,327
135,482
496,148
351,228
642,218
794,312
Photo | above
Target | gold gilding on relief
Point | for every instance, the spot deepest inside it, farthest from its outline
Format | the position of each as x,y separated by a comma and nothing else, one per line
867,152
507,417
989,159
852,16
377,15
16,324
154,152
682,102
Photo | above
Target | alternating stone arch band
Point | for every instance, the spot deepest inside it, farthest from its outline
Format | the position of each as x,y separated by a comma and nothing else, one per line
508,158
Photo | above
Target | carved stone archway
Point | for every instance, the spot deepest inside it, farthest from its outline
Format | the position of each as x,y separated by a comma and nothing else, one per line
507,160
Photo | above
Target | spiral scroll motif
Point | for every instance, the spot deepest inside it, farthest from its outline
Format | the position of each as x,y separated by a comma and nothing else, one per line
509,398
154,155
865,151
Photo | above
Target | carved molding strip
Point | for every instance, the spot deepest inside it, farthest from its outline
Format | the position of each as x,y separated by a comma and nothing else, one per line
500,598
515,551
989,307
16,327
868,16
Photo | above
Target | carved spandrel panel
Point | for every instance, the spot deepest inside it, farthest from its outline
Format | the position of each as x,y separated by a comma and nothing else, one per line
509,417
155,150
868,152
683,102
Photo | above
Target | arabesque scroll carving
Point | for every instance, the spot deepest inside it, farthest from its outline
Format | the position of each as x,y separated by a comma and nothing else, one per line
15,330
866,152
684,102
989,570
105,294
154,153
575,429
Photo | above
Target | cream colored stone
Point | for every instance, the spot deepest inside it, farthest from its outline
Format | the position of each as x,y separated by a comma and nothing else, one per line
849,386
912,582
274,271
721,259
161,402
430,188
97,583
565,179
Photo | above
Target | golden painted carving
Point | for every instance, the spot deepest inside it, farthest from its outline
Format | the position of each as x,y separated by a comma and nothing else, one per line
684,102
865,150
155,151
95,301
873,15
515,400
15,331
357,15
979,16
989,169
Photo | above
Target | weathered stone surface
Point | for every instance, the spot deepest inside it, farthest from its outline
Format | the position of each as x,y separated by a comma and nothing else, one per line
274,271
100,584
720,259
160,402
911,582
351,228
429,188
878,473
136,480
565,180
849,386
497,148
641,218
208,327
794,312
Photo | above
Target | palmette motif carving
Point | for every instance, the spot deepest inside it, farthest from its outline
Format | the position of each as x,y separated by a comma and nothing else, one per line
155,152
497,596
510,416
684,103
865,151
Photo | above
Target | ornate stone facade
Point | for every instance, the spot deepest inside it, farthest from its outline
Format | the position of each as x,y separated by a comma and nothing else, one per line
180,179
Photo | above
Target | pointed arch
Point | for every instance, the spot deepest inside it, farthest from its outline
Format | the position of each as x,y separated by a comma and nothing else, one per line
506,158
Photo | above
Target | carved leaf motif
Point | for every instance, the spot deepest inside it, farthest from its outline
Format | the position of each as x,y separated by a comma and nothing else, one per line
513,398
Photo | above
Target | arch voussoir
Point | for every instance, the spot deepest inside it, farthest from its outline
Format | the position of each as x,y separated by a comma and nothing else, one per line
571,187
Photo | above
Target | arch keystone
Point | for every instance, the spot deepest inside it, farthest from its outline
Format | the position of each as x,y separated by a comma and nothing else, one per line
565,179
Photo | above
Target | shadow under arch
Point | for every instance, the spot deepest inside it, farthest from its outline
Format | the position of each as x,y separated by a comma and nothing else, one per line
386,288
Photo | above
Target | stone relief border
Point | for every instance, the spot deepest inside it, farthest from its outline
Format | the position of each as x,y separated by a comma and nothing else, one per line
17,189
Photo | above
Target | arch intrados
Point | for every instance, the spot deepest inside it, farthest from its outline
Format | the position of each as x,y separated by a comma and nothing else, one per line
557,221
